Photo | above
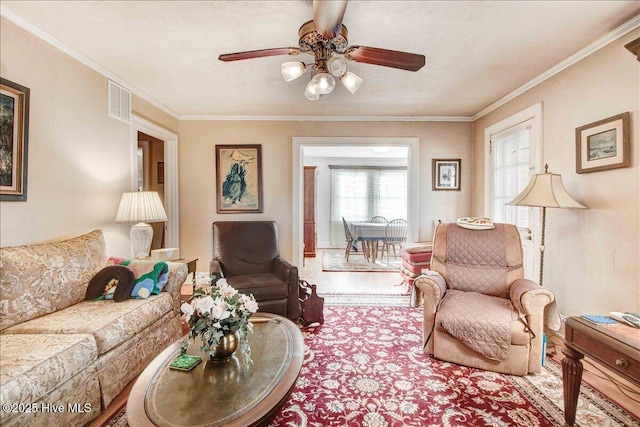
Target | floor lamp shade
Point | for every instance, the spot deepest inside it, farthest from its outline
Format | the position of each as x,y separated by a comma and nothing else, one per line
141,207
545,190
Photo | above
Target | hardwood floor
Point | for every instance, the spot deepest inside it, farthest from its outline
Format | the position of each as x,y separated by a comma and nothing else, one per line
374,282
385,282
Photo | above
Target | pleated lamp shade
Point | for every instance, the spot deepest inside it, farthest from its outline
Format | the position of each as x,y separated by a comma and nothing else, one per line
141,207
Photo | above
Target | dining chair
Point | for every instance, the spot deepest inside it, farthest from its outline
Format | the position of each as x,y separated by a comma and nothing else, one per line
379,219
351,247
395,233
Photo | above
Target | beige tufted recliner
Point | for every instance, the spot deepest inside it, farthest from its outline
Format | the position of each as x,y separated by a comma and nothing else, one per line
479,311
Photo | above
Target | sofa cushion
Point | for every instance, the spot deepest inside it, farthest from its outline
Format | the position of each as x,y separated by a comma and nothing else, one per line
33,365
109,322
264,286
39,279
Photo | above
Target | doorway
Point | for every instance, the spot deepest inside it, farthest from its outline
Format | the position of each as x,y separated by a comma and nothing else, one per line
512,155
151,177
169,194
309,144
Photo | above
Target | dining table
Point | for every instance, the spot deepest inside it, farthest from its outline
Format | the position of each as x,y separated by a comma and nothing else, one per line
369,234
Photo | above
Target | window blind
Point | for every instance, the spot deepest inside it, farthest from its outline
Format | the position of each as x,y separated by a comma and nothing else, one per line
359,193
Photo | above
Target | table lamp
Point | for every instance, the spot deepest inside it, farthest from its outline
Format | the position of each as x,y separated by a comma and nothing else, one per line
545,190
141,207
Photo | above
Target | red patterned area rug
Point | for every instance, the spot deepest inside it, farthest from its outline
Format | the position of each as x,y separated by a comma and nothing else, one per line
365,367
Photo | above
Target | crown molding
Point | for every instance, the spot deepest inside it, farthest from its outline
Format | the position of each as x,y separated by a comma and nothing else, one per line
622,30
330,118
38,32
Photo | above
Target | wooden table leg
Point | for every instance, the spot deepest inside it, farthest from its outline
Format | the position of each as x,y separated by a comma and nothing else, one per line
571,378
374,250
365,249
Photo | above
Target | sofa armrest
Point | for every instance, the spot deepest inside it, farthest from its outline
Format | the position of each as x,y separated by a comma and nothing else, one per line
432,286
177,275
289,273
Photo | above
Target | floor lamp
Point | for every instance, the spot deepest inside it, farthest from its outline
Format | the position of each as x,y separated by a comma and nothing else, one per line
141,207
545,190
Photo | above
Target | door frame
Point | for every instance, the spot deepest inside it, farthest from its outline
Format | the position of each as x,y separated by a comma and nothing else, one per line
171,205
532,113
413,182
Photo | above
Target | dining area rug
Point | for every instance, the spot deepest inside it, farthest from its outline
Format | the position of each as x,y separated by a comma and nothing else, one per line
334,260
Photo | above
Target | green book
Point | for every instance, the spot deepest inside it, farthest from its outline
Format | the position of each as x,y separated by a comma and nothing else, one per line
185,362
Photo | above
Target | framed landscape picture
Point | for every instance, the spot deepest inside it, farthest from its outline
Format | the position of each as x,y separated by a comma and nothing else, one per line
604,144
445,174
14,139
238,178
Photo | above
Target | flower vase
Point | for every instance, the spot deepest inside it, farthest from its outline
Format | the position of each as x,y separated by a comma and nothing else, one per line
225,348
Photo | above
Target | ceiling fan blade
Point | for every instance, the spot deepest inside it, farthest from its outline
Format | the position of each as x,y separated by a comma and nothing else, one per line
237,56
385,57
327,17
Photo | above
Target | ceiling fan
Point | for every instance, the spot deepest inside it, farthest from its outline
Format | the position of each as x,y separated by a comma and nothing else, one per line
326,39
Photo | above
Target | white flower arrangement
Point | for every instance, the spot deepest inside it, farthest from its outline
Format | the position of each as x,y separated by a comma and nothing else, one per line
217,309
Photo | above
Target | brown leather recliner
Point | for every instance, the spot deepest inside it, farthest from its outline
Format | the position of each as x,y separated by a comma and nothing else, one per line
246,254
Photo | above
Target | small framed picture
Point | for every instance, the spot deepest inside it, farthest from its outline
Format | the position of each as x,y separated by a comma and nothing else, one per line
14,140
239,178
445,174
604,144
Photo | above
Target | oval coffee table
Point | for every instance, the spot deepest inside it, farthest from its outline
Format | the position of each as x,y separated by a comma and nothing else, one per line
229,393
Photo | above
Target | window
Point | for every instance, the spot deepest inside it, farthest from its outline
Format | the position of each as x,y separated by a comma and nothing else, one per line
511,173
359,193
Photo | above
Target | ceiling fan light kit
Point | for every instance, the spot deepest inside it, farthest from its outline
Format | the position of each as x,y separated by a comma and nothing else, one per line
292,70
325,38
351,81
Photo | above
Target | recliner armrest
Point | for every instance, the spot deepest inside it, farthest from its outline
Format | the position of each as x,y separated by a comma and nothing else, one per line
283,268
529,297
433,287
215,268
289,273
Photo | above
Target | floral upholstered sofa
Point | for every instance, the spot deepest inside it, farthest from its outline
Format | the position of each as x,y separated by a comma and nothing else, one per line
64,359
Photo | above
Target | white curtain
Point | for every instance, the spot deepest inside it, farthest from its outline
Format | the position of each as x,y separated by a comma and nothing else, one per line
360,193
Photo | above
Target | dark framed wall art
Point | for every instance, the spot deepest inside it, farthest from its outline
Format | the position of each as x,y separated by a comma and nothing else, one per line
445,174
604,144
14,140
238,178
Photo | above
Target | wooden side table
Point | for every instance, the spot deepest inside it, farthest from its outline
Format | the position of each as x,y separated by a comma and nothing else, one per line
615,346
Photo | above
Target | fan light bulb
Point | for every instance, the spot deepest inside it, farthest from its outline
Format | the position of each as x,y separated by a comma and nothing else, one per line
292,70
337,66
312,92
351,81
325,82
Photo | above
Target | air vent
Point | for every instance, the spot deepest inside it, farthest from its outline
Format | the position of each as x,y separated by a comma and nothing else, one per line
119,102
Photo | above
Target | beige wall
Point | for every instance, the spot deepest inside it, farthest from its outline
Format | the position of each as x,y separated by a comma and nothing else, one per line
592,256
79,158
197,172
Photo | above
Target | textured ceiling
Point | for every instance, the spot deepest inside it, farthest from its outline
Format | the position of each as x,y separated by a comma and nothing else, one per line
477,51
